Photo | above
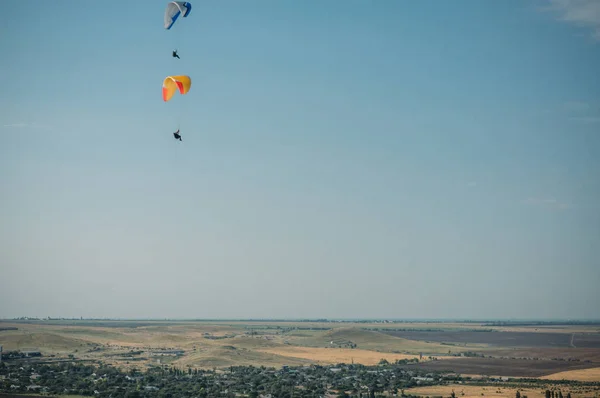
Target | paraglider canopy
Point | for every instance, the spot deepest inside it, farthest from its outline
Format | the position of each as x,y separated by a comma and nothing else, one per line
174,10
174,83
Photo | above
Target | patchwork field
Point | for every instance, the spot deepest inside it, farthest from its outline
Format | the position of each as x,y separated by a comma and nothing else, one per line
336,355
591,374
469,391
502,367
503,339
368,339
566,354
224,356
557,351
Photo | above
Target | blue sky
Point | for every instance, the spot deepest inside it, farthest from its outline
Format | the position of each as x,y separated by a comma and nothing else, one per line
339,159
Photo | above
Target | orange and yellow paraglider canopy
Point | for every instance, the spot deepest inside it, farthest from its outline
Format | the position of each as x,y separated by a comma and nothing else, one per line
173,83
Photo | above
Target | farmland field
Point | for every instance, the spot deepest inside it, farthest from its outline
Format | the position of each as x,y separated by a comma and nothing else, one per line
467,391
488,350
566,354
592,374
336,355
501,367
587,340
503,339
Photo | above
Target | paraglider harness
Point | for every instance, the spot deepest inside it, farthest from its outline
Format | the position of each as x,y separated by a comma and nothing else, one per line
177,135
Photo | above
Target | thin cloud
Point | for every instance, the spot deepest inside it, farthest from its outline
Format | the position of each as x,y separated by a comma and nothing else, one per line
586,119
582,112
30,125
576,106
546,202
582,13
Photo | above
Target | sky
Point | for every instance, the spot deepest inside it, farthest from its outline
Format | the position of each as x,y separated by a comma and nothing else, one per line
340,159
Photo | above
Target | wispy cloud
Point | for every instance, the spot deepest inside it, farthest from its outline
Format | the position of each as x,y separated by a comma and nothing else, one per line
583,13
576,106
586,119
583,112
546,202
30,125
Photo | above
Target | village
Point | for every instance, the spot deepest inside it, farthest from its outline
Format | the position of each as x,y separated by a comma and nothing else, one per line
343,380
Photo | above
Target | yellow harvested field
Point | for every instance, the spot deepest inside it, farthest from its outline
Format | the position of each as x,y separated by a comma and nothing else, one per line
592,374
335,355
467,391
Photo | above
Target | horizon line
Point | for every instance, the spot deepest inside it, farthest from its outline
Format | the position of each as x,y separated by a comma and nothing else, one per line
327,320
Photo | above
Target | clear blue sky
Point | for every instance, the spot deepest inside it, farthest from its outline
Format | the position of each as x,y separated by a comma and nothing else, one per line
339,159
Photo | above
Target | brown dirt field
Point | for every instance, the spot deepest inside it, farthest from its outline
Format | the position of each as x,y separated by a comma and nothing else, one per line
335,355
416,325
502,367
550,329
423,325
586,340
493,391
583,354
502,339
592,374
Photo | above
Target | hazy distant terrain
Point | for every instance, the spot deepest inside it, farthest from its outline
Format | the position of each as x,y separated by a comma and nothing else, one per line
505,339
468,348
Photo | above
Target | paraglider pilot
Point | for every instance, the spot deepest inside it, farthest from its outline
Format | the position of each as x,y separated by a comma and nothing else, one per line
177,135
175,55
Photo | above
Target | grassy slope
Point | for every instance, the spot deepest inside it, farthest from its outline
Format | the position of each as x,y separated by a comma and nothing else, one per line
45,342
372,340
231,355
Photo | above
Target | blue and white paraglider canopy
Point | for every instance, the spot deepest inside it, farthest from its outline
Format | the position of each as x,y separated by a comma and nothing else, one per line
174,10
